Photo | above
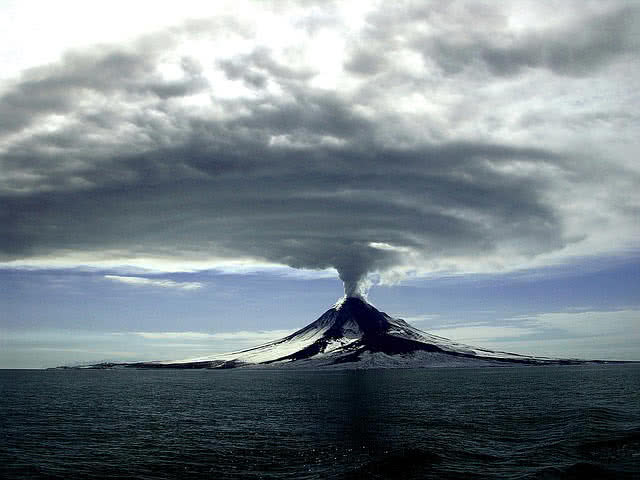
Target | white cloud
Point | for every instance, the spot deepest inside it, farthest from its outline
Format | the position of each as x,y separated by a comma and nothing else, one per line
592,323
482,333
139,265
76,347
612,335
155,282
417,318
242,335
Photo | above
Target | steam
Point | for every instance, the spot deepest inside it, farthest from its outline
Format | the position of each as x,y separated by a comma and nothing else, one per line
355,281
359,261
357,287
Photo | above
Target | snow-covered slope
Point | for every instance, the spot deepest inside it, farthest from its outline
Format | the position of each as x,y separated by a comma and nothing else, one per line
354,334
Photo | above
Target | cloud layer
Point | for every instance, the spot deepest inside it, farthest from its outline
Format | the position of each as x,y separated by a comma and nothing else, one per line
155,282
417,138
582,334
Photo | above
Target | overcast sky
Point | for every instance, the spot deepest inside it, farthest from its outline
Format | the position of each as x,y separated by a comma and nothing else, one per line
191,176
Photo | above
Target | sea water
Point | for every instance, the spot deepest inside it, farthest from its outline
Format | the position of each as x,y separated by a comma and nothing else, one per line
512,422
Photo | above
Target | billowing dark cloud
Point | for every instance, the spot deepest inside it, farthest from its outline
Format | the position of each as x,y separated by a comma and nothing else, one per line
244,156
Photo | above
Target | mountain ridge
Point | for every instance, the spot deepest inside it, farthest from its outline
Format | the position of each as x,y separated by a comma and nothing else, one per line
355,334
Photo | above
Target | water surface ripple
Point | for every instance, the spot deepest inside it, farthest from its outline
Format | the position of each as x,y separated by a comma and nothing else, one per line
507,423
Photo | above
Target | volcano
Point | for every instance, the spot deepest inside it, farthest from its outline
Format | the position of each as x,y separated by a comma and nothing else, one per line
354,334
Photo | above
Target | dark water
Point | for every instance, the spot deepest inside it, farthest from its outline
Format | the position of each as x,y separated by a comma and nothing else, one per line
535,422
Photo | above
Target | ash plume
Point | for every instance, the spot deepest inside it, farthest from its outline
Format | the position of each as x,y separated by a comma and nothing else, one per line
412,166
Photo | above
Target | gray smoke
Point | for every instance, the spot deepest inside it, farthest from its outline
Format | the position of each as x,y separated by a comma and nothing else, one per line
104,157
354,267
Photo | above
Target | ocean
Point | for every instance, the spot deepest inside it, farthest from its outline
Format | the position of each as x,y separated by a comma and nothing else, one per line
503,423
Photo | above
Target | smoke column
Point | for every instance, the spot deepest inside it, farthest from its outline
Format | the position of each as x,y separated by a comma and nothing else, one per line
356,287
355,264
